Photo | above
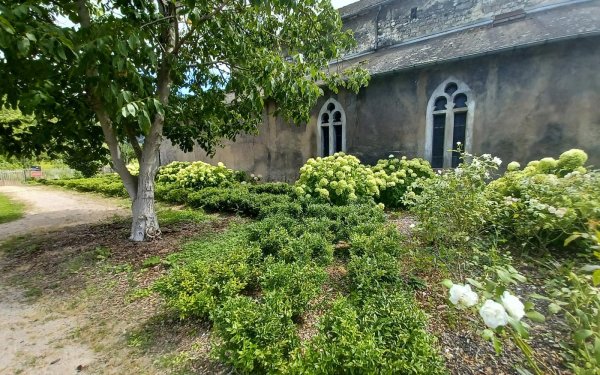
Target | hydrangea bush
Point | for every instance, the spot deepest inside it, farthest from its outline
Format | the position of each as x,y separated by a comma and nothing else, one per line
400,175
339,179
168,173
199,175
546,201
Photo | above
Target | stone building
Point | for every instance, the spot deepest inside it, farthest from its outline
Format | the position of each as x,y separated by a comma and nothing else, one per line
519,79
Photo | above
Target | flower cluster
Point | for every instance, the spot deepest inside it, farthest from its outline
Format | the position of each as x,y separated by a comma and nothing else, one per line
494,314
199,175
168,173
339,179
401,175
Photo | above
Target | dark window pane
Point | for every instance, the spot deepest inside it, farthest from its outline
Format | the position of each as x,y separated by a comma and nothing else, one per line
440,104
337,116
460,101
460,125
337,129
325,118
331,107
325,140
451,88
437,149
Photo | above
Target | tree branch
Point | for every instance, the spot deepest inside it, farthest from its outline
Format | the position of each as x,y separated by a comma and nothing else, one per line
105,122
134,143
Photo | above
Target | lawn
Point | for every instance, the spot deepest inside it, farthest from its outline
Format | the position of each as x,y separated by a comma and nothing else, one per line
353,269
10,210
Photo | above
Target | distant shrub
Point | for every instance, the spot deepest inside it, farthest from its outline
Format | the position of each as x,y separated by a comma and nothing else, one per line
453,207
339,179
400,176
272,188
199,175
168,173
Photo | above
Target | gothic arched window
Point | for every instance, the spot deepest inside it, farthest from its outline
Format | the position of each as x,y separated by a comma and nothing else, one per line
331,129
449,123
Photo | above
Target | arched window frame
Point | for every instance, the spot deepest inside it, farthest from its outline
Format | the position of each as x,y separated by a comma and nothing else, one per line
330,127
449,111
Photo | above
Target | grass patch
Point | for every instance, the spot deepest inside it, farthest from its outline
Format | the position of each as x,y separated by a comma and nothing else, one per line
10,210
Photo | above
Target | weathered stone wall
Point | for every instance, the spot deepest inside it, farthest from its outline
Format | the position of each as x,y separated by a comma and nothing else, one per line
530,103
392,22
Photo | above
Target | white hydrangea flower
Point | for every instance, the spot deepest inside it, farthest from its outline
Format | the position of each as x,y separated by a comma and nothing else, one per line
391,156
463,296
560,212
513,305
493,314
496,160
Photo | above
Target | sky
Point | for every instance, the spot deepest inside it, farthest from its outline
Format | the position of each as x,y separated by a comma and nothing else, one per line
340,3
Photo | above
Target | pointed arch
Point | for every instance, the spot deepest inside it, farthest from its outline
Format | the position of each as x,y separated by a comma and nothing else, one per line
331,128
450,113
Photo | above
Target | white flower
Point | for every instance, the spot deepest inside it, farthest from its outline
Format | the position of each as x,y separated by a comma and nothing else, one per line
497,160
560,212
487,156
551,209
412,226
513,305
391,156
458,143
463,296
493,314
259,176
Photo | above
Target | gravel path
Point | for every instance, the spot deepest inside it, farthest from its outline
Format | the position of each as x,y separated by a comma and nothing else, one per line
35,338
49,208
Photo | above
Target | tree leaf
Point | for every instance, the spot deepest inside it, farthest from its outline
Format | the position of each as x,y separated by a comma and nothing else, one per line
23,45
6,25
144,122
131,109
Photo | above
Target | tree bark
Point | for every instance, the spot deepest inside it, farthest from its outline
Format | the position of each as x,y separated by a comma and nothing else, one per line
145,223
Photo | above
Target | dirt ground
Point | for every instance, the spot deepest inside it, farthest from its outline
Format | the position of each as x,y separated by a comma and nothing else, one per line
50,208
34,337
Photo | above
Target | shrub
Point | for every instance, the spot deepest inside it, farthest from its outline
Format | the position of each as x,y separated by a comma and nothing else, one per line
453,207
272,188
168,173
383,334
339,179
237,199
571,160
376,240
198,287
370,273
255,336
399,176
298,283
199,175
549,207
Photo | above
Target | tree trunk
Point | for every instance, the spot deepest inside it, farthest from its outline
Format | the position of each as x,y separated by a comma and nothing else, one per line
144,224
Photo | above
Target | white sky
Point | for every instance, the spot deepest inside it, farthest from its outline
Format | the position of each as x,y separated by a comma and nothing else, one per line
340,3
